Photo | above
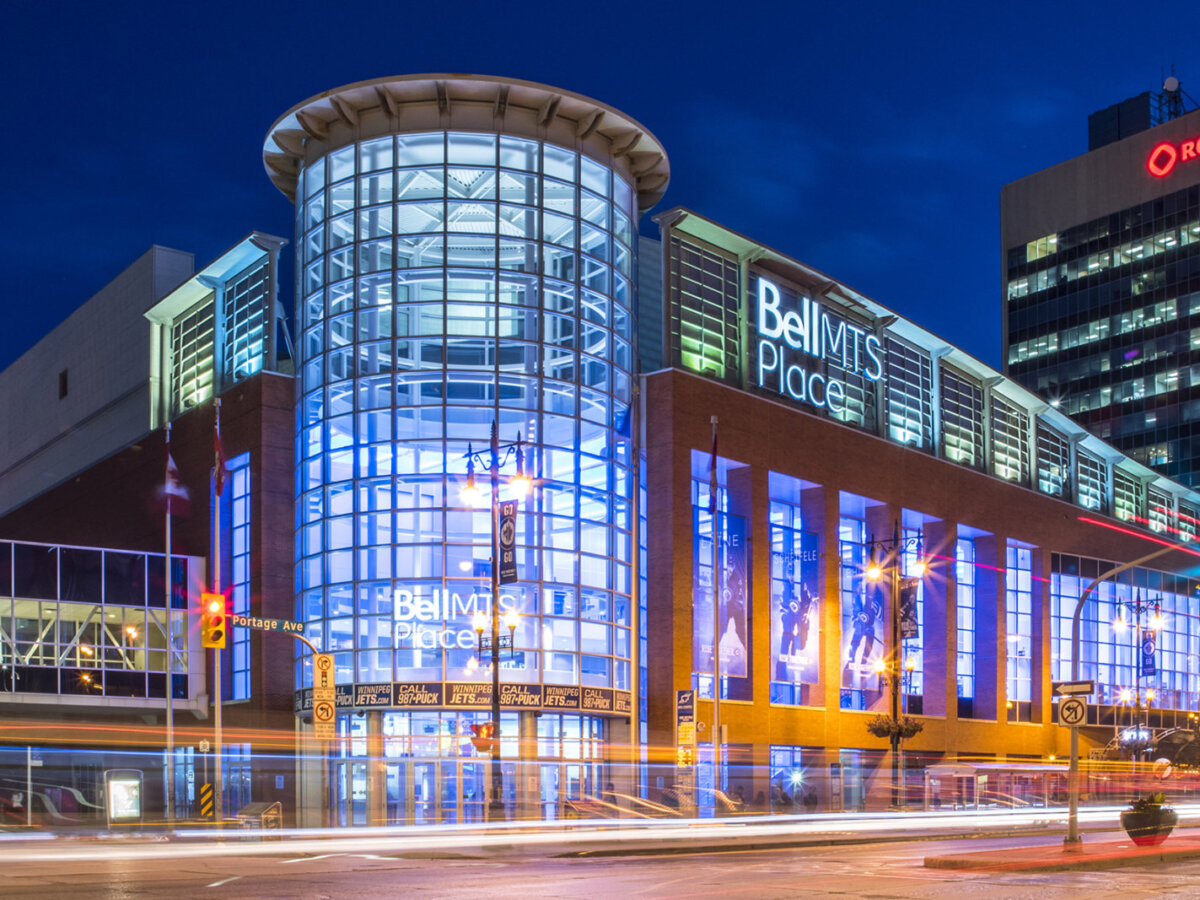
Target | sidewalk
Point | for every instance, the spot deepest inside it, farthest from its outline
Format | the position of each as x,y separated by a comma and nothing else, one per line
1051,858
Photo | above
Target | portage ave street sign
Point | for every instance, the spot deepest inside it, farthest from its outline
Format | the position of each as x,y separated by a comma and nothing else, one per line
266,624
1067,688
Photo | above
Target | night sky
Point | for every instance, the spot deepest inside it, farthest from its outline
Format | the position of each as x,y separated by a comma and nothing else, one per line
867,139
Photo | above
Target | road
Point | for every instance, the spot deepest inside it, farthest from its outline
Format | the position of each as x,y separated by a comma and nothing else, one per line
866,870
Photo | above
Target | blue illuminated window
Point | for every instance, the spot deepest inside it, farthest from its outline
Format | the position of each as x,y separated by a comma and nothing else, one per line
913,649
1019,620
239,581
965,581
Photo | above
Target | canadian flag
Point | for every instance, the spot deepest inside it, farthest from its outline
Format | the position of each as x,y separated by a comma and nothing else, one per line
173,495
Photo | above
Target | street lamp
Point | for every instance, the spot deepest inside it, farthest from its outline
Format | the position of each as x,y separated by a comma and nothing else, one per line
1154,623
493,459
888,557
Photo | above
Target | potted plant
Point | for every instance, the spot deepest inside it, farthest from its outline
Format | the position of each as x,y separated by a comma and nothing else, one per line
902,728
1149,819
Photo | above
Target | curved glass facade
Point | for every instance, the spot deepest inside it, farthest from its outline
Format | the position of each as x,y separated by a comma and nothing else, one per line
449,279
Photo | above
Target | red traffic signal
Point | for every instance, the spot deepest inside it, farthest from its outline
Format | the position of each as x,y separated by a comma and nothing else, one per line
212,621
483,737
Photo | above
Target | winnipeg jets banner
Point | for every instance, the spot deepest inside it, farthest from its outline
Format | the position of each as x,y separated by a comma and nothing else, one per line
508,541
910,624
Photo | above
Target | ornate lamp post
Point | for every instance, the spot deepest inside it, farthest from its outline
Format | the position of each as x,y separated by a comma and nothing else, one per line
496,456
1154,623
887,557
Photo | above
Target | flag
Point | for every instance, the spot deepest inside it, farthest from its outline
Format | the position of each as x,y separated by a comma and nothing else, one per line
173,495
712,475
219,470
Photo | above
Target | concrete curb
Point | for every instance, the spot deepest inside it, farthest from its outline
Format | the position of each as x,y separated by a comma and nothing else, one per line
1109,855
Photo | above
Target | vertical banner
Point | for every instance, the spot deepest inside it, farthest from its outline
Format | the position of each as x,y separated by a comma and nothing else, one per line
732,616
1149,639
795,623
862,648
734,643
910,625
508,540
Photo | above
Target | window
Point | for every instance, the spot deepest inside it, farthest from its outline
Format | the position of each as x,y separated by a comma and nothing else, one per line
909,388
962,419
1092,491
1160,510
704,309
247,318
62,384
912,655
862,619
192,357
1018,592
965,581
1127,496
239,582
1053,461
1010,441
795,592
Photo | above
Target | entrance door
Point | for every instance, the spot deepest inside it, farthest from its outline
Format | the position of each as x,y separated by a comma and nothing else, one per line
473,778
397,779
425,793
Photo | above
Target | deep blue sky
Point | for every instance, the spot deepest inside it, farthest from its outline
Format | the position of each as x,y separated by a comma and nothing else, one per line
867,139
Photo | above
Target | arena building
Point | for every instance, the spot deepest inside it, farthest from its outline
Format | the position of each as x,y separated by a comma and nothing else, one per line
702,417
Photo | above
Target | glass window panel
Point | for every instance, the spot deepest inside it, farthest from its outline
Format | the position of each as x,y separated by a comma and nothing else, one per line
420,149
594,176
419,217
518,154
471,149
376,154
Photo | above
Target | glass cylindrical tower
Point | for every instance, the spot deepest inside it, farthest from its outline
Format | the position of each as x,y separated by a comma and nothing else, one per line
465,253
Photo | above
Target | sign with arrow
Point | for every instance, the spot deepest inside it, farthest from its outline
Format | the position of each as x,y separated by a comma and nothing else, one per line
1069,688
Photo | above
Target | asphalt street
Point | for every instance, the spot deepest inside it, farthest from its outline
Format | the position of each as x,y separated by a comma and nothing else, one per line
872,871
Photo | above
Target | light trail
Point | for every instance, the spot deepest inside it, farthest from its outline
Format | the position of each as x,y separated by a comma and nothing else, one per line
574,837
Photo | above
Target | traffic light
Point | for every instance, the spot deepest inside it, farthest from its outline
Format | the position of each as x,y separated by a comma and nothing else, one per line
482,737
212,621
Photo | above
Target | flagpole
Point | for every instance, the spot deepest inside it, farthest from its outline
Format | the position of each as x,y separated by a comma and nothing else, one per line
715,507
218,768
170,649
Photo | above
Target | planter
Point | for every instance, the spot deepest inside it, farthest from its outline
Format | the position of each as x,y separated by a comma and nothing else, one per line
1149,827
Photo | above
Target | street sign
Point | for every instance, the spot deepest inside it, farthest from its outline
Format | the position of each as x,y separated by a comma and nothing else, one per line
1072,712
266,624
323,721
324,697
1067,688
